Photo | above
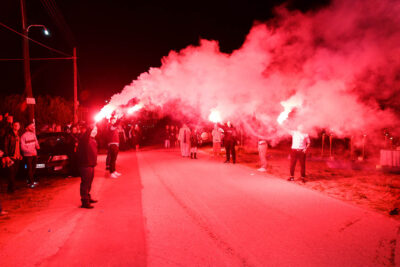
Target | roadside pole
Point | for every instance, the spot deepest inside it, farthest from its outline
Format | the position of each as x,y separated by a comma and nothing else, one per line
27,69
75,88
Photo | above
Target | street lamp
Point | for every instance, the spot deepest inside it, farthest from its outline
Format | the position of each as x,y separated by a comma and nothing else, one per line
30,101
45,30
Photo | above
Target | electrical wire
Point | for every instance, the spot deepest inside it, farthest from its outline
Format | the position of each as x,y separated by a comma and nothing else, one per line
55,13
37,42
42,58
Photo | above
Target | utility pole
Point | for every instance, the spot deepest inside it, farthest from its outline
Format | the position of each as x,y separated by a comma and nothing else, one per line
27,69
75,88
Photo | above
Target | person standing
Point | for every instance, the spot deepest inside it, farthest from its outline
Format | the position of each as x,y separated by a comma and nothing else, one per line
29,146
87,158
230,140
194,143
113,148
184,138
167,140
12,155
173,136
137,136
262,153
217,138
300,143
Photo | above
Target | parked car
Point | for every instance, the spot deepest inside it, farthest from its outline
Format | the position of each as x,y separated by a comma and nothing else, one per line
55,153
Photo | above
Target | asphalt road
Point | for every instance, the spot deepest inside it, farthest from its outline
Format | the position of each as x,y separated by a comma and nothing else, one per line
166,210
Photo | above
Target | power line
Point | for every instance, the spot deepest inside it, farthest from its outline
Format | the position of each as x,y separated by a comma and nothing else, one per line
39,43
56,14
43,58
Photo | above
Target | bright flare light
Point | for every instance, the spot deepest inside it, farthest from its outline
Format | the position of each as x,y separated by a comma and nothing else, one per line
105,112
135,108
215,116
288,105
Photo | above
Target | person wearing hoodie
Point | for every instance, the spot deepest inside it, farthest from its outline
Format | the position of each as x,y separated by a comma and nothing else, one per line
29,146
87,158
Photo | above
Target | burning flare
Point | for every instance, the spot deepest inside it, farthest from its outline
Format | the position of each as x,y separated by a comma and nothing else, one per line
105,112
108,110
215,116
288,105
135,108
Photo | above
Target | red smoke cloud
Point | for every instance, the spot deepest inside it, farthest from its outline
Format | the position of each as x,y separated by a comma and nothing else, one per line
341,63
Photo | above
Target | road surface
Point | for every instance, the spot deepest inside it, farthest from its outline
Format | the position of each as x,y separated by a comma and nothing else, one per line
166,210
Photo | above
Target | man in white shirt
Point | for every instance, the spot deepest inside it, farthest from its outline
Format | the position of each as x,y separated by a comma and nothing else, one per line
217,138
184,138
300,143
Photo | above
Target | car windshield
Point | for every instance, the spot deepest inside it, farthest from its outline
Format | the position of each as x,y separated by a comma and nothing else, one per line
55,143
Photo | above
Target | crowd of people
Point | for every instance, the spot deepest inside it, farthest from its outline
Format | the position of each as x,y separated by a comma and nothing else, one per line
18,147
226,136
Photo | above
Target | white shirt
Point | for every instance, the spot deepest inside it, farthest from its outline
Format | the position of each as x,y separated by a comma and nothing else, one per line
300,140
217,134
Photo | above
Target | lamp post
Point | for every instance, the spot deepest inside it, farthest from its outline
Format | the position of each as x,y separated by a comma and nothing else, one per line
30,101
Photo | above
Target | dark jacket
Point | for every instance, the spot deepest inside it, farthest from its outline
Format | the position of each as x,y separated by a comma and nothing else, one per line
194,140
10,141
87,151
230,136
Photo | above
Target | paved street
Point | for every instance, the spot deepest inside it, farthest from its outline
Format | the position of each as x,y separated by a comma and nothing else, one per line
171,211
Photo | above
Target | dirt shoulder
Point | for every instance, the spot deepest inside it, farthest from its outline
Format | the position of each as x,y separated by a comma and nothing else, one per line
360,183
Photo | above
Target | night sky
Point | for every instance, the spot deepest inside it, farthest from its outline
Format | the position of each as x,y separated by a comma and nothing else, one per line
118,40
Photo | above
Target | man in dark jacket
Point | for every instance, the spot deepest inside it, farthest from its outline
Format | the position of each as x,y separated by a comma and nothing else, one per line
12,155
230,140
87,158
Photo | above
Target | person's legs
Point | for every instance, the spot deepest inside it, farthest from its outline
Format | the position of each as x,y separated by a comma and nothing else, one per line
233,151
215,148
302,159
167,143
29,167
12,173
293,159
187,149
108,159
113,157
85,186
182,149
195,152
91,177
218,148
262,153
34,161
228,152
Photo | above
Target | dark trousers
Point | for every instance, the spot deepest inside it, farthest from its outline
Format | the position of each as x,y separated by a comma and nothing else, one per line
112,157
12,173
31,167
74,167
230,149
87,175
298,155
